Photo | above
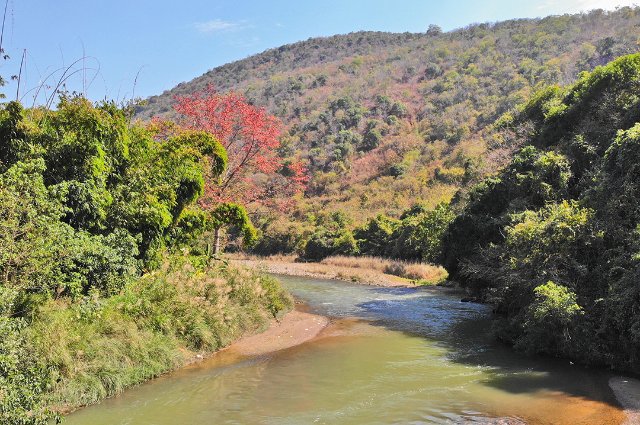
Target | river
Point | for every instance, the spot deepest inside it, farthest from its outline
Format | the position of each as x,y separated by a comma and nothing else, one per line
391,356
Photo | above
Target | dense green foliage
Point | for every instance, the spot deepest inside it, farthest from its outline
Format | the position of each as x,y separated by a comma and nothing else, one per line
419,235
416,236
375,237
384,121
111,180
90,208
552,240
331,237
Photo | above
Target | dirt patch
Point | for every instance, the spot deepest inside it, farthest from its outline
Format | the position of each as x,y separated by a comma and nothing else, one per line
293,329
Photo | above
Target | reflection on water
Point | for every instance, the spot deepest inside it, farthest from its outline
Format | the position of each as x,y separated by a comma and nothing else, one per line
393,356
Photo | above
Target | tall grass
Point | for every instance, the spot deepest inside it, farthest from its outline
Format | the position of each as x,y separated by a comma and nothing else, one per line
98,347
421,272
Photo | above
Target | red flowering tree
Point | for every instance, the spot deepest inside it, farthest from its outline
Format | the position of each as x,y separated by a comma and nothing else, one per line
256,174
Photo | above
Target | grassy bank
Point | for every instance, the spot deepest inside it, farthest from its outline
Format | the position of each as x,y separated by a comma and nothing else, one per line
97,347
366,270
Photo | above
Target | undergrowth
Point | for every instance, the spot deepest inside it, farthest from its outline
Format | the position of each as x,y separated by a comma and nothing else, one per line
98,347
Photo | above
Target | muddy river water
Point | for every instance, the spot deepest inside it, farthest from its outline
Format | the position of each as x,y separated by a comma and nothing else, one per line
390,356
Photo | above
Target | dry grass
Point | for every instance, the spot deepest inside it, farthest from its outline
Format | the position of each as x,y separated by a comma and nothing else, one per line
421,272
281,258
367,270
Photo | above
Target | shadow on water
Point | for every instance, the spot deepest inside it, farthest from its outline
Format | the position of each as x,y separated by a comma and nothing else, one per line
464,331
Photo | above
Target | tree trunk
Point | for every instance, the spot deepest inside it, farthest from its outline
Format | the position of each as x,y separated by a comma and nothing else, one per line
216,241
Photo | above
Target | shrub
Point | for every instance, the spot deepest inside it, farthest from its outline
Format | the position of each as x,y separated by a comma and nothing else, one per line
371,140
324,243
375,237
419,236
549,320
281,237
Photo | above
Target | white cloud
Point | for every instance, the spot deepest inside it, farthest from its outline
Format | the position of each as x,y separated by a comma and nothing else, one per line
569,6
218,25
603,4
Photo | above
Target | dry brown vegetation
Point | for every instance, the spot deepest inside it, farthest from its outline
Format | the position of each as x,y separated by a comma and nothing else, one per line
366,270
423,273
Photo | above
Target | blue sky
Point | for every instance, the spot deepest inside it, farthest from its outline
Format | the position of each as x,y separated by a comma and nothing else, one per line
166,42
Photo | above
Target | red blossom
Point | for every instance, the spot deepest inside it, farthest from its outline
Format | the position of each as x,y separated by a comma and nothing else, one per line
251,136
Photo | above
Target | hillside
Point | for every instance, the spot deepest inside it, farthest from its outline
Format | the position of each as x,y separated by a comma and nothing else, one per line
385,121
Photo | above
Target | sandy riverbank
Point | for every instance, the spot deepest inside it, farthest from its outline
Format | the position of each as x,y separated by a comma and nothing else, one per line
293,329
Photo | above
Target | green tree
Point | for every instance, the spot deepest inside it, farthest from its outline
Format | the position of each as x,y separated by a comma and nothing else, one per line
419,235
228,214
375,237
371,139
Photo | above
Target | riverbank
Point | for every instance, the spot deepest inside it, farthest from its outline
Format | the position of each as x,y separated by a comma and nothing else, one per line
157,324
366,274
295,328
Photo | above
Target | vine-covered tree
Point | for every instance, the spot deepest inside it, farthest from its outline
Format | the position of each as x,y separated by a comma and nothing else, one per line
230,214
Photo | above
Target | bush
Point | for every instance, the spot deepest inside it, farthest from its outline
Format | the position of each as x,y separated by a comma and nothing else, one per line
375,237
99,346
550,320
324,243
371,140
419,235
395,268
281,237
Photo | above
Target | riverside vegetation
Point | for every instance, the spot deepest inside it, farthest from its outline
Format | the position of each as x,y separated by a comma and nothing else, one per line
104,282
476,149
553,239
505,152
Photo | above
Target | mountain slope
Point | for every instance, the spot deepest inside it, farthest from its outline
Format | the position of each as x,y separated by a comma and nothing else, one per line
385,121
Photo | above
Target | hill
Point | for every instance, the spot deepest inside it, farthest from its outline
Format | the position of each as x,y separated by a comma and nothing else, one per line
386,121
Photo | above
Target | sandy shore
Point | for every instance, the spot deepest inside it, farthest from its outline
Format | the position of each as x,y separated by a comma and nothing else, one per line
627,391
324,271
293,329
